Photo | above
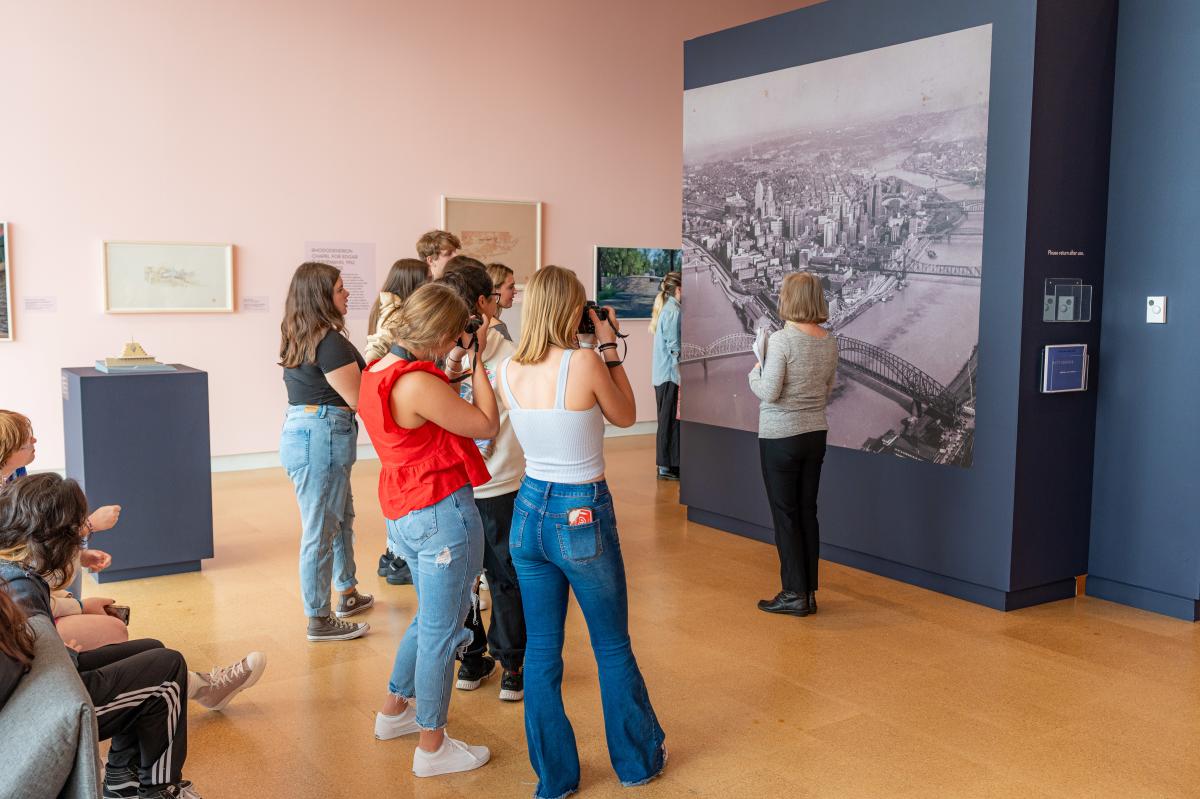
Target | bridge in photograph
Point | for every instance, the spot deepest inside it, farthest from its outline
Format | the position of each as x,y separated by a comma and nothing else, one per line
868,361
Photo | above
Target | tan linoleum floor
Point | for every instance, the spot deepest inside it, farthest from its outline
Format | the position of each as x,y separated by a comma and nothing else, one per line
891,691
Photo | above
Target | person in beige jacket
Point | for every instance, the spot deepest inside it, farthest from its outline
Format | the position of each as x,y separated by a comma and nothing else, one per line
402,280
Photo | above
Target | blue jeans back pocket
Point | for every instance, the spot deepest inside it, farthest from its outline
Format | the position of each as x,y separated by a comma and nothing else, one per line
293,449
580,542
418,526
516,533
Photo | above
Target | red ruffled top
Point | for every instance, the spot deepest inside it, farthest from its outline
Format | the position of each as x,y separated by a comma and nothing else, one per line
423,466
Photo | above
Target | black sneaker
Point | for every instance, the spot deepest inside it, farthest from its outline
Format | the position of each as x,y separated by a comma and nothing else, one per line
176,790
512,686
399,573
667,474
385,564
120,782
471,674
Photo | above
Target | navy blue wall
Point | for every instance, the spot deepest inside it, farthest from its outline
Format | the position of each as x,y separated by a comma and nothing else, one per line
1145,547
939,526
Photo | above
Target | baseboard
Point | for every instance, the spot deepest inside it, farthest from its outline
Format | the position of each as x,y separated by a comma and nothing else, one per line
269,460
1180,607
960,589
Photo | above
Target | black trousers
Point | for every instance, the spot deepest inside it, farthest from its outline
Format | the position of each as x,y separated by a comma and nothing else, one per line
666,398
792,472
505,636
139,689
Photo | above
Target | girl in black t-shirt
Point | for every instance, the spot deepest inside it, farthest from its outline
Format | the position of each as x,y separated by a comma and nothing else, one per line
322,370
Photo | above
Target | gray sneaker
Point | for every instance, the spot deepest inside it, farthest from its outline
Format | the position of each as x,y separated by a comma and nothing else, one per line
352,603
223,683
331,629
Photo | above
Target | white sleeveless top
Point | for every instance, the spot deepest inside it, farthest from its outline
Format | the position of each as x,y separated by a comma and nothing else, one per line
561,445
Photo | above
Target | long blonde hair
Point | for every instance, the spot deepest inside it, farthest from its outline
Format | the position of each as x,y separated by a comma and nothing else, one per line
670,282
550,315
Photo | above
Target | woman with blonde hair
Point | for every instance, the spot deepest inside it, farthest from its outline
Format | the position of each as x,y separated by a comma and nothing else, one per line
423,431
504,292
564,531
319,444
665,325
794,386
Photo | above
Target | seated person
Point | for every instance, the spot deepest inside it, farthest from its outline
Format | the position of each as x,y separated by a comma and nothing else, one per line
16,647
137,687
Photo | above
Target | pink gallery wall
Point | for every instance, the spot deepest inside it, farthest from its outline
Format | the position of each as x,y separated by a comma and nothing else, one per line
271,123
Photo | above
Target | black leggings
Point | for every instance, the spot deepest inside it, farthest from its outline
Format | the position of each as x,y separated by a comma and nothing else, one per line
792,472
139,689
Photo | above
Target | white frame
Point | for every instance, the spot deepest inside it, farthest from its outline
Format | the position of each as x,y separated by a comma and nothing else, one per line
596,272
537,261
6,290
229,306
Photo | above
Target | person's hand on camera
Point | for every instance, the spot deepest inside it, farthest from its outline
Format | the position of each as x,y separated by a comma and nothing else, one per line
105,518
606,330
95,560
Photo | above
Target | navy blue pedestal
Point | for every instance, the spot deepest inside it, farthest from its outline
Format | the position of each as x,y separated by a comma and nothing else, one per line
141,441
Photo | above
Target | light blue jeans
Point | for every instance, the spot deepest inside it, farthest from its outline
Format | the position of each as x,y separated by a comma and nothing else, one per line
318,448
443,545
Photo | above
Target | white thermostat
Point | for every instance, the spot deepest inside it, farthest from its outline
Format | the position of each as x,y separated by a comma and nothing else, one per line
1156,310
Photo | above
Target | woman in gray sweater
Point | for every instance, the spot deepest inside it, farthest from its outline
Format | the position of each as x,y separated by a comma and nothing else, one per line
794,385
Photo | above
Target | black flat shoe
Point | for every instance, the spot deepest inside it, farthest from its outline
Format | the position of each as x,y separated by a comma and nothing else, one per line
786,602
812,601
399,573
385,564
667,474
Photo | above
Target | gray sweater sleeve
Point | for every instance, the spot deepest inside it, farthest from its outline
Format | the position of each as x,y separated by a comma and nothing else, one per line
767,380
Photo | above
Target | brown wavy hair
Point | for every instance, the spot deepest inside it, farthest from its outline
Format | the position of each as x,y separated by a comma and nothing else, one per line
40,519
16,639
309,314
15,430
405,277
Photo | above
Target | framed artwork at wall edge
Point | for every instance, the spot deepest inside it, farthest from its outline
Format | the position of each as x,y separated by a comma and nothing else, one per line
168,277
628,278
6,322
504,231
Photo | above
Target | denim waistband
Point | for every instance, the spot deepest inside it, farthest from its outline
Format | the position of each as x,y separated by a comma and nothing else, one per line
595,491
319,411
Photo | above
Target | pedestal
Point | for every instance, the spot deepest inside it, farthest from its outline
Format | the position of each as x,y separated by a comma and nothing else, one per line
141,441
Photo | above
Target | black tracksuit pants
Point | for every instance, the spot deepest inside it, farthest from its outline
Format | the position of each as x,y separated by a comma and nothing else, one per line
505,636
791,469
666,398
139,689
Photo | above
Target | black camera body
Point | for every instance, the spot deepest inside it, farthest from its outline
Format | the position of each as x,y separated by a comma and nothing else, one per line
585,322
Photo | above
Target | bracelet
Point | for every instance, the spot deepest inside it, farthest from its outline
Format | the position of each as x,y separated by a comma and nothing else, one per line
611,345
613,364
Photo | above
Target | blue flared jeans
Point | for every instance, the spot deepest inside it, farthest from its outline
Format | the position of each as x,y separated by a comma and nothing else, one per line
443,546
318,448
553,556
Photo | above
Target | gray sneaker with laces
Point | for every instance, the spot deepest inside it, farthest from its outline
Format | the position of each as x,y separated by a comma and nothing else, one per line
219,686
332,629
352,603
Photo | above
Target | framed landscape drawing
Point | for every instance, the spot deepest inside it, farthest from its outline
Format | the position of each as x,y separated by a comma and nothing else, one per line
6,323
504,231
628,278
167,277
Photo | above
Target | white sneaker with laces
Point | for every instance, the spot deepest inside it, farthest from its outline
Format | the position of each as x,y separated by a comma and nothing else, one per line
389,727
215,690
453,756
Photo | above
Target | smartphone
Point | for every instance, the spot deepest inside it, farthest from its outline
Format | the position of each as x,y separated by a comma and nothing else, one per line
118,611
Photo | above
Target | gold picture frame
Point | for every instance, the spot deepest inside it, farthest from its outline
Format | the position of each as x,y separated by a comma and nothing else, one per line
159,277
507,231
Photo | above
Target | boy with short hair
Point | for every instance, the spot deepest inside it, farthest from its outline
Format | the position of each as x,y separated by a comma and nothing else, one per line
436,248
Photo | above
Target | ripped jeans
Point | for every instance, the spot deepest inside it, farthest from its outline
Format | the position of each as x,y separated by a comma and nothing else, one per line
443,545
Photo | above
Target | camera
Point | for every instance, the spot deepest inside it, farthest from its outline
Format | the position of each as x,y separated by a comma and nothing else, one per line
585,322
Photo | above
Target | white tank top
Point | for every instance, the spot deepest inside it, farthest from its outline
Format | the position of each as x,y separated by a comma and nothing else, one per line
561,445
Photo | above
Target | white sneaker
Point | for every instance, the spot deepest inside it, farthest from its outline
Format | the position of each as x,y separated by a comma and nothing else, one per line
453,756
389,727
